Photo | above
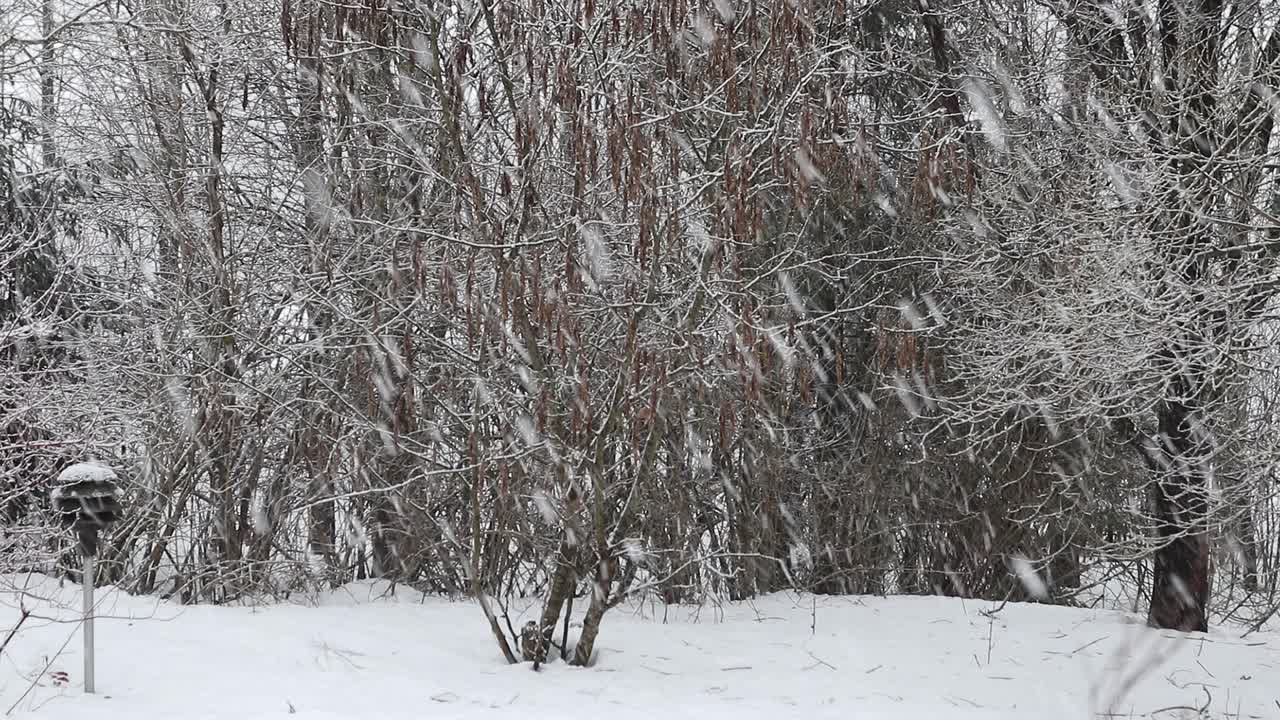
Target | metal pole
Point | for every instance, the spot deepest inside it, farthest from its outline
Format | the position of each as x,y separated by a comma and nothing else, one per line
87,583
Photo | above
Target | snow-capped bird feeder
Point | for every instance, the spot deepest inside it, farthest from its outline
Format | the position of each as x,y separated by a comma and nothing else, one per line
87,501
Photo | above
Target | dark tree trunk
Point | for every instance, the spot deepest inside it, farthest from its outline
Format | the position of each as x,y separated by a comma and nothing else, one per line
1180,590
563,584
1180,595
595,613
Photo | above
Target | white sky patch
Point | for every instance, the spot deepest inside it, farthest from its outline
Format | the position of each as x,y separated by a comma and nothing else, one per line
780,344
980,99
596,250
906,395
913,317
705,31
316,188
866,401
807,166
423,54
935,310
922,389
1108,120
793,296
1121,183
725,8
545,508
886,204
261,521
635,551
1017,102
800,555
528,433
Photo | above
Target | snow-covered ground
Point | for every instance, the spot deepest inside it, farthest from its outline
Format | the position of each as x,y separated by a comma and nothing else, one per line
358,654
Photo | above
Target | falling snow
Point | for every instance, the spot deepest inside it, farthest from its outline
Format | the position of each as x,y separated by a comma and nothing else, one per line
797,359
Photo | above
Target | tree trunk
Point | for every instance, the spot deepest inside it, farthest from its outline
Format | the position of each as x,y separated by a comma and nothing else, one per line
1180,594
1180,589
595,613
562,586
48,99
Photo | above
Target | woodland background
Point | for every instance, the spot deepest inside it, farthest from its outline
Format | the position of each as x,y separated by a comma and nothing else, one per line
649,298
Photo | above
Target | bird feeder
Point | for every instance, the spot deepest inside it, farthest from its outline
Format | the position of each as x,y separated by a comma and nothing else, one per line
86,501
